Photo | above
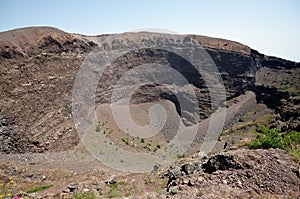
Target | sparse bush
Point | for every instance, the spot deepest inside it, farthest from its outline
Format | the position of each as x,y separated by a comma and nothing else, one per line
113,192
148,147
242,119
125,141
180,156
200,193
156,148
142,140
88,195
121,188
38,188
98,127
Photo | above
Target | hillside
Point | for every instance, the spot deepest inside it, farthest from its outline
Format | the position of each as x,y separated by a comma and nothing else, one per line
38,71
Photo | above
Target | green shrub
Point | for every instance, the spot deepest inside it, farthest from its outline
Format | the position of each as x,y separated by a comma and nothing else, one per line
272,138
142,140
292,138
268,138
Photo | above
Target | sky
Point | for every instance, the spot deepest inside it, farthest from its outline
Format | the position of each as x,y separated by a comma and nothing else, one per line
270,26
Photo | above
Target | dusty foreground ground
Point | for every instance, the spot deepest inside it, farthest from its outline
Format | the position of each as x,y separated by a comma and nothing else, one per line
240,173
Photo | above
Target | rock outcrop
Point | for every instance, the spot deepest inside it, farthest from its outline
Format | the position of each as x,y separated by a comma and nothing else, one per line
240,173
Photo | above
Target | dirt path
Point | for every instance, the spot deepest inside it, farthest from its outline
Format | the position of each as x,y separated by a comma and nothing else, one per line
76,160
233,113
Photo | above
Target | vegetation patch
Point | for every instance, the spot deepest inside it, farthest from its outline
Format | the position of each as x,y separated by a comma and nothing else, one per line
98,127
88,195
121,188
7,188
272,138
38,188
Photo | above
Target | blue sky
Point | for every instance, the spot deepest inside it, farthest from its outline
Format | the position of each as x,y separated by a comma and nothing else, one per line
270,26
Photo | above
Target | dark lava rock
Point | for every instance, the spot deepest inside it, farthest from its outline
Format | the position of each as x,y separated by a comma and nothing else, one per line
221,162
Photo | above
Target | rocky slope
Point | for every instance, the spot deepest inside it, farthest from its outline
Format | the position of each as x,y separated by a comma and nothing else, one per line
38,67
241,173
234,174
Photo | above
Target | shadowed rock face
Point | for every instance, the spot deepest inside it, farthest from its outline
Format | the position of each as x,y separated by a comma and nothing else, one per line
38,67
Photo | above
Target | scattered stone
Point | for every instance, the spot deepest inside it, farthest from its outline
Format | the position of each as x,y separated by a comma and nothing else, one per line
239,184
200,179
185,181
73,187
173,190
96,186
296,171
85,190
202,155
191,183
66,196
190,168
111,180
174,173
22,194
66,190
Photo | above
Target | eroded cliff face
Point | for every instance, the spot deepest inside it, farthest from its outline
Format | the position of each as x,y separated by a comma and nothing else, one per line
39,65
233,61
277,85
